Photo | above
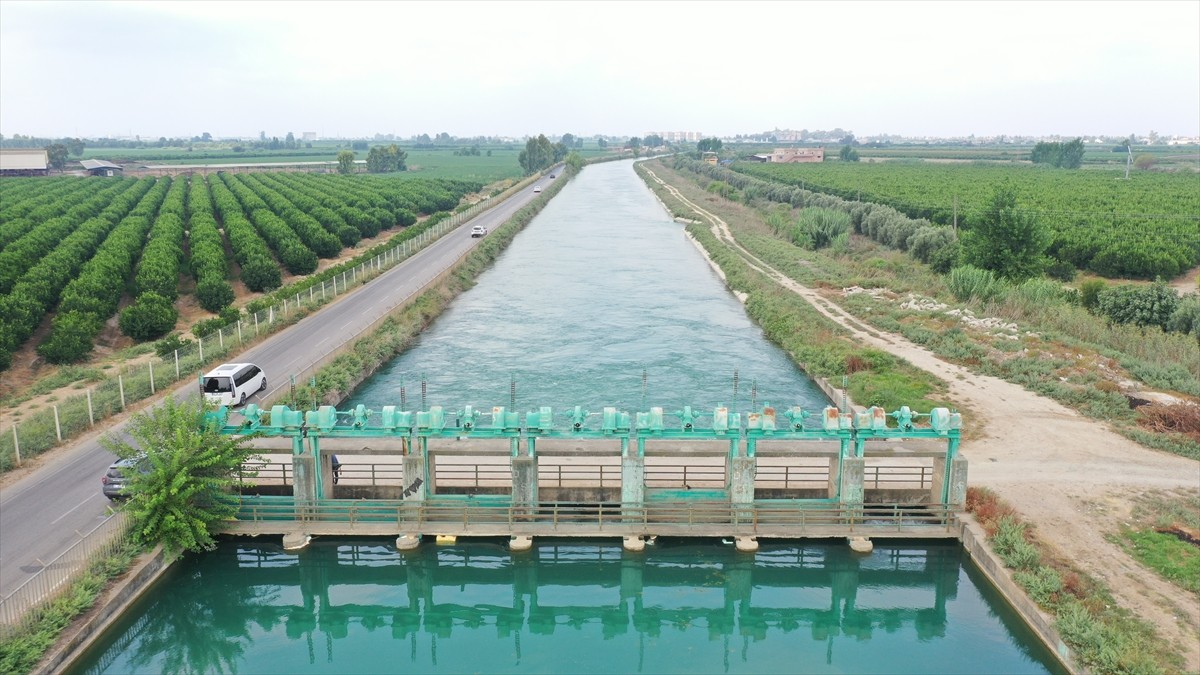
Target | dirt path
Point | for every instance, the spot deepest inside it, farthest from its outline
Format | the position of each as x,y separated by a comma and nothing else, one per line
1072,477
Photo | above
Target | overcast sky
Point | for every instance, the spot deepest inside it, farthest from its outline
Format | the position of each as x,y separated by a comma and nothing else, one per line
620,68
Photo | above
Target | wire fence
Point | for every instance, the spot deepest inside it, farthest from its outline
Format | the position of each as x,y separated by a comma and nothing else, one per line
21,608
137,379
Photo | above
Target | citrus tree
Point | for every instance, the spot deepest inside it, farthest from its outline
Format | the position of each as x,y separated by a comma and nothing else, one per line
179,485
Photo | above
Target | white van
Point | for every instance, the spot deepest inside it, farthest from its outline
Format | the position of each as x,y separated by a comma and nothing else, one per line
231,383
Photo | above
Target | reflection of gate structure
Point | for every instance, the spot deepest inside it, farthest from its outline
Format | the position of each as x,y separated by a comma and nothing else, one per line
654,457
819,593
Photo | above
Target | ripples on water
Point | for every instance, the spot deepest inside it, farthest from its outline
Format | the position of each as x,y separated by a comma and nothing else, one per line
599,287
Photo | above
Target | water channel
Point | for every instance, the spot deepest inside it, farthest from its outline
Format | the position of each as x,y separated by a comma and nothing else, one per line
359,606
599,289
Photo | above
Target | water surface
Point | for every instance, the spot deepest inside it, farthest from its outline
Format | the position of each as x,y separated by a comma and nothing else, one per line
600,288
359,606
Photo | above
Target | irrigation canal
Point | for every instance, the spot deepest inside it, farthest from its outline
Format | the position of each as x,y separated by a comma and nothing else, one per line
601,301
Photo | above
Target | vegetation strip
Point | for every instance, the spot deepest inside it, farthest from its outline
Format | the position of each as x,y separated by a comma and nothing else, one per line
21,650
1048,341
40,431
1103,637
333,382
818,346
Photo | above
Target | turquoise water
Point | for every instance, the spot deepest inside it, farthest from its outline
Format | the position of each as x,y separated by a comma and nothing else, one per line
601,287
359,606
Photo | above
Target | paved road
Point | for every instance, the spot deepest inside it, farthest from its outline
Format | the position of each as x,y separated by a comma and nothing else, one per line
46,512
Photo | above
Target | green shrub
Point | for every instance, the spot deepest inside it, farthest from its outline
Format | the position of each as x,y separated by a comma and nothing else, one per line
1089,292
170,344
72,337
1186,317
1143,306
151,316
1043,585
821,228
214,294
1012,546
261,274
1061,270
971,283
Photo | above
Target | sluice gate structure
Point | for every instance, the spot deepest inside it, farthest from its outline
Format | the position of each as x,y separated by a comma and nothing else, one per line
433,473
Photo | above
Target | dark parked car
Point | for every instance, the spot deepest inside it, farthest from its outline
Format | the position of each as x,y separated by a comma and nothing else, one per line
113,481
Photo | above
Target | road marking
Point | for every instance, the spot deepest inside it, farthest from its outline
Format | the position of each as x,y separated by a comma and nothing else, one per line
72,509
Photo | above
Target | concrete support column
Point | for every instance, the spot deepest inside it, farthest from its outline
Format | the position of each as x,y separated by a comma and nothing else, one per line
835,477
304,478
633,481
416,489
952,487
742,471
633,497
851,479
524,482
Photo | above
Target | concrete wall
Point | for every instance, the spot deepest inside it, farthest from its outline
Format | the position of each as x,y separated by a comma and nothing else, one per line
974,541
108,609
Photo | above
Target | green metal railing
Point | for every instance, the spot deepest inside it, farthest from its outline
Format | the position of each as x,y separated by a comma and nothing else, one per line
688,519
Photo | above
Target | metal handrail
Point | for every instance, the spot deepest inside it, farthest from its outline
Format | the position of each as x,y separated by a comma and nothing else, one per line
433,514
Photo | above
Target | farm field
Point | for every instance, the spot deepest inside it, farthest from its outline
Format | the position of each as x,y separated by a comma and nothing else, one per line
1144,227
73,251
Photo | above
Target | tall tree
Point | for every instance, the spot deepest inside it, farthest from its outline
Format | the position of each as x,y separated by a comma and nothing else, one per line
537,155
57,155
345,160
183,470
1006,240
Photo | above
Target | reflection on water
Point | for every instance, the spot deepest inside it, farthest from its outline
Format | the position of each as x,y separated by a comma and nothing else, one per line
361,606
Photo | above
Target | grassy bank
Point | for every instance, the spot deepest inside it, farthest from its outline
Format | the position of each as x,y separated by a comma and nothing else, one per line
1104,637
1035,334
21,651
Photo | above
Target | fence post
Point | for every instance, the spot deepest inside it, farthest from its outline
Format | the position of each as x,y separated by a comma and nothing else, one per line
239,326
322,291
121,386
256,324
57,426
91,416
271,315
151,363
221,337
177,364
16,446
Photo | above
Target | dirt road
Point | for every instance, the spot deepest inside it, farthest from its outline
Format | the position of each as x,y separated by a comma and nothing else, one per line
1071,477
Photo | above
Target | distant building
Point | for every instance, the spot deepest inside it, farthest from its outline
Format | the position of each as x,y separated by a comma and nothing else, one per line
308,136
793,156
710,158
99,167
24,162
677,136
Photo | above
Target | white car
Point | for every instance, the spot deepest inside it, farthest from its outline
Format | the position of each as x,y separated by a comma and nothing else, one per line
537,188
230,383
478,231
